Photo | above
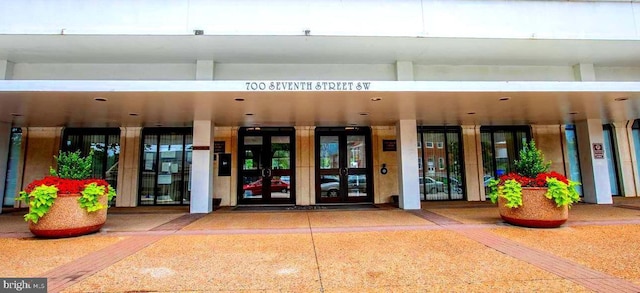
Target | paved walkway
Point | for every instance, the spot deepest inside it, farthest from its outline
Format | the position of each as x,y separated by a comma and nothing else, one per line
448,247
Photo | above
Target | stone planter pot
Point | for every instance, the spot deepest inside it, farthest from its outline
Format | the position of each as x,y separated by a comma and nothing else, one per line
66,218
537,211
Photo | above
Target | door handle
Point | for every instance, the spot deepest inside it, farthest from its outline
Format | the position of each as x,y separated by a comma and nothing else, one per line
263,172
343,172
268,172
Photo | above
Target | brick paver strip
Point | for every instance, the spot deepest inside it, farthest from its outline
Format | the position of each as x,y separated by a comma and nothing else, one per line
592,279
435,218
179,222
73,272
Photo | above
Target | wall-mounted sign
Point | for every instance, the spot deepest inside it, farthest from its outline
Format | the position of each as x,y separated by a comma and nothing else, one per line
218,147
598,151
389,145
306,86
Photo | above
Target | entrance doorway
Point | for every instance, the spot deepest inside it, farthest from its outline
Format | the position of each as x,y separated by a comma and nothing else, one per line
266,160
343,165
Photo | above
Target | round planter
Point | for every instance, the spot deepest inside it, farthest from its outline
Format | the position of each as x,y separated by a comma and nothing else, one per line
537,211
66,218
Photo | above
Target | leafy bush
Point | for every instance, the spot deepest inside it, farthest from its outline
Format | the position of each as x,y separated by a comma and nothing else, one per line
531,161
71,165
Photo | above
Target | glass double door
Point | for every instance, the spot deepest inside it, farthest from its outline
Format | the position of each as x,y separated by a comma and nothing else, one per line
343,165
266,161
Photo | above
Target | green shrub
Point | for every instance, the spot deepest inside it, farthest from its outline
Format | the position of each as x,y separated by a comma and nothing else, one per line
531,161
71,165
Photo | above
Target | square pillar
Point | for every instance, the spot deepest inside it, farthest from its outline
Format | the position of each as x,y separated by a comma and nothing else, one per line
404,71
202,167
205,69
5,139
408,174
595,172
624,147
128,167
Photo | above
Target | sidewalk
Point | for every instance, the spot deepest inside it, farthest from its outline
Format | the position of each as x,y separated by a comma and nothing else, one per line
449,247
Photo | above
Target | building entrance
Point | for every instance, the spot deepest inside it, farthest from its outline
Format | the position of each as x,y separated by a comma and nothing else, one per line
343,165
266,166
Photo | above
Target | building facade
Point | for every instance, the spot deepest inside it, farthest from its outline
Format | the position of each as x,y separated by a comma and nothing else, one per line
327,102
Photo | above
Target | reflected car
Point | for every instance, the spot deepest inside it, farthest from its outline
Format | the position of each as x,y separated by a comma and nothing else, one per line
329,186
255,188
432,185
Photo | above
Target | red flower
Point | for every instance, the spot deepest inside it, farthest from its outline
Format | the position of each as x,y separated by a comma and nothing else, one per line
66,186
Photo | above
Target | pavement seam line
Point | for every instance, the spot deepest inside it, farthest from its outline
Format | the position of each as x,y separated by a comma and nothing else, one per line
315,252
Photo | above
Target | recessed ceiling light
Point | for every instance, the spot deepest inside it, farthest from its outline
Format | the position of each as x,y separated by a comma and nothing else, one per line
505,98
133,114
158,124
363,114
375,99
100,99
238,99
248,114
620,99
471,113
16,114
573,113
353,124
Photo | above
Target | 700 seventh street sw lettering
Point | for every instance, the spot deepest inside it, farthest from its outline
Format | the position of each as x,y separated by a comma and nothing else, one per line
307,86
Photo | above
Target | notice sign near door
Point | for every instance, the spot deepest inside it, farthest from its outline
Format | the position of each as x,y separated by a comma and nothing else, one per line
598,151
388,145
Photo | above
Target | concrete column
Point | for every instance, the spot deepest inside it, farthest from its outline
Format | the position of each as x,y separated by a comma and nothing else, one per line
584,72
404,70
128,166
202,167
550,140
473,168
222,184
634,158
205,69
595,172
624,148
408,174
305,181
6,69
5,140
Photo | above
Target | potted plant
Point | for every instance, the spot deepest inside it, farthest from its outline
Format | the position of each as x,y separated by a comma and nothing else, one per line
67,203
533,196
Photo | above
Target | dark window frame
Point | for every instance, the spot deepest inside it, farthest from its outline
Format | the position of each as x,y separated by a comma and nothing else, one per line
445,130
513,130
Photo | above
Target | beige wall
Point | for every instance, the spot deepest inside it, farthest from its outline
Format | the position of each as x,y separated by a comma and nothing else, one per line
224,186
41,144
384,185
473,170
305,166
128,166
624,147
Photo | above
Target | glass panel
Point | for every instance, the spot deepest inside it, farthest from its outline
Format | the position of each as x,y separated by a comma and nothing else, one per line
357,185
97,144
148,169
252,153
170,169
329,186
454,166
356,151
487,158
609,154
187,168
329,152
10,191
572,154
436,173
281,152
252,187
421,171
504,152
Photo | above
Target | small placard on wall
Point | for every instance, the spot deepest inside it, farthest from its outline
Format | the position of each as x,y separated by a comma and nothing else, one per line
598,151
388,145
218,147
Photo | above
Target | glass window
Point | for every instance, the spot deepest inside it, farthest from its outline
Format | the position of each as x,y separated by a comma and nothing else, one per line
105,144
165,166
441,174
636,141
573,156
610,154
11,182
500,148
